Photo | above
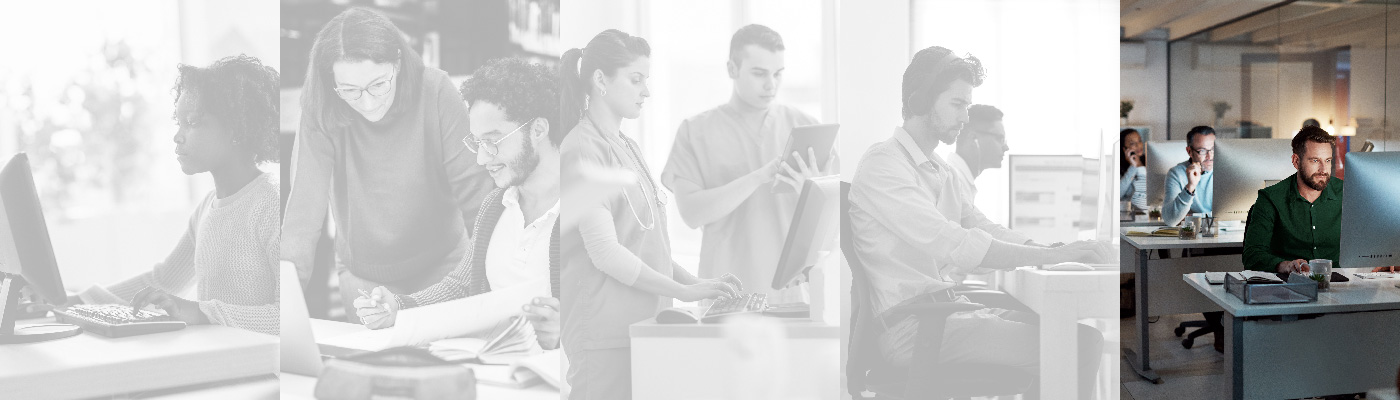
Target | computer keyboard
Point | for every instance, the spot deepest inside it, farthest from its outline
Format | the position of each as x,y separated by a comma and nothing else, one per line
115,320
743,304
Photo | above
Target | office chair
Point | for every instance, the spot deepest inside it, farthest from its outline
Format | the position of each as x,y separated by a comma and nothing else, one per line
925,377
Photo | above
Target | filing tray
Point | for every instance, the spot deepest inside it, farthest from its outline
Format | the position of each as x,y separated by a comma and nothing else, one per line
1298,289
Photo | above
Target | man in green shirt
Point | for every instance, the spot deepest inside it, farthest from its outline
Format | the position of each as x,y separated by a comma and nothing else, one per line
1299,218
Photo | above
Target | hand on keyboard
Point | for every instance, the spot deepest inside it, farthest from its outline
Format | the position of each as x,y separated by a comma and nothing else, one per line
726,287
176,307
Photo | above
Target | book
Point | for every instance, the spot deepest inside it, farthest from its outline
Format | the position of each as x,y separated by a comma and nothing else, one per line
514,341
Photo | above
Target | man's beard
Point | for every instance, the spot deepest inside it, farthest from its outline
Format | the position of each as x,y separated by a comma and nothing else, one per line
524,164
1318,184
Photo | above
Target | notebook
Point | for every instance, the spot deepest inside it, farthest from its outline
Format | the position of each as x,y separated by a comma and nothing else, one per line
515,341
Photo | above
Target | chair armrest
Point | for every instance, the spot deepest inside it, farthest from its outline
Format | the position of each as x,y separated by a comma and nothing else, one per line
995,299
924,364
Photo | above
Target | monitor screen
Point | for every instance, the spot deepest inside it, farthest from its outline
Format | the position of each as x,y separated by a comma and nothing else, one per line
1161,157
813,225
24,237
1370,211
1242,167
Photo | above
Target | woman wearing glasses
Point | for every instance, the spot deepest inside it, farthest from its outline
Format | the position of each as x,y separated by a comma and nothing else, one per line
380,144
617,267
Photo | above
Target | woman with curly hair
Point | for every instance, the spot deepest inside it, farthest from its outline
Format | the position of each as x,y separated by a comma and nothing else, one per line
227,118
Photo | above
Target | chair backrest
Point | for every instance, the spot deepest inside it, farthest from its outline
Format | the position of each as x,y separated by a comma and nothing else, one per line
861,346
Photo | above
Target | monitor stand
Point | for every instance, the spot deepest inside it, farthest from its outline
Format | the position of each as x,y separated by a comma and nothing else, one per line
10,312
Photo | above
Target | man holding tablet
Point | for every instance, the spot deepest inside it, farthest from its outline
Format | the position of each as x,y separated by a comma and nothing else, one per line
725,162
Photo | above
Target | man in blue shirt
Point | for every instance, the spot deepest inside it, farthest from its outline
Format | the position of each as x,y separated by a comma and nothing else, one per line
1189,188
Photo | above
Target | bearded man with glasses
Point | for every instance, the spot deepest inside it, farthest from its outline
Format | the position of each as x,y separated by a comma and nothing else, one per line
511,108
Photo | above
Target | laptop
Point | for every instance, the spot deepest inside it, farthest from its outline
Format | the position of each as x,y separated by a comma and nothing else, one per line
299,352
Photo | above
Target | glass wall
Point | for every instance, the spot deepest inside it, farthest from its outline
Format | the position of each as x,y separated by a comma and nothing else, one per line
1264,75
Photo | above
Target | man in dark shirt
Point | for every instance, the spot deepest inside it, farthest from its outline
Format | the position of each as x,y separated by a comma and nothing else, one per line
1299,218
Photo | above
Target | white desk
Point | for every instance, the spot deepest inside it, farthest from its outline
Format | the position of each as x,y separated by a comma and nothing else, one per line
693,361
1174,297
90,365
1062,299
1342,343
295,386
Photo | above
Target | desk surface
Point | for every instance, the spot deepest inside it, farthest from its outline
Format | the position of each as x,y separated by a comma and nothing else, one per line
1226,239
303,387
796,328
142,363
1354,296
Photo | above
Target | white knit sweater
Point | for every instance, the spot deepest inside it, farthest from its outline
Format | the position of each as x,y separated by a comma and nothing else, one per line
232,247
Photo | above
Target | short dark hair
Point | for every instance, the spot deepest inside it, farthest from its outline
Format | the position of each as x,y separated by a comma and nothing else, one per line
983,114
524,91
1312,134
1199,130
754,34
244,95
930,74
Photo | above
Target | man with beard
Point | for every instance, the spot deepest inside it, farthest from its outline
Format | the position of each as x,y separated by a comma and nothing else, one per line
1189,187
980,147
1299,218
912,227
511,106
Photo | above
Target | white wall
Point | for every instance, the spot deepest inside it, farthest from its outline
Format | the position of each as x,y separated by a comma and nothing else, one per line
1143,80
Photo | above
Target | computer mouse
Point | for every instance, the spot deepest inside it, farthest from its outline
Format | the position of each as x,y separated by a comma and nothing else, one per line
676,315
1070,266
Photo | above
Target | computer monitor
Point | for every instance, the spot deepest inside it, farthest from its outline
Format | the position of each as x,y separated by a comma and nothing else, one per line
813,225
1161,157
1370,211
1242,167
26,256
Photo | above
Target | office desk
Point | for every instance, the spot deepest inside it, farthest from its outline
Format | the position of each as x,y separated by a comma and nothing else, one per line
90,365
695,361
1342,343
1062,299
296,386
1174,297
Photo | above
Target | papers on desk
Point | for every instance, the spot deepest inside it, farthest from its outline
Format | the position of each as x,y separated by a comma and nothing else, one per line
1215,278
1257,277
461,317
1377,275
524,372
1160,232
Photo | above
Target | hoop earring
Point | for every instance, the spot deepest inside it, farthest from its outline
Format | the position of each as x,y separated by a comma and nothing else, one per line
605,92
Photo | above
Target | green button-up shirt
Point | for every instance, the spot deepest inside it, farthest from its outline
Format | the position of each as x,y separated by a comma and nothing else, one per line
1284,226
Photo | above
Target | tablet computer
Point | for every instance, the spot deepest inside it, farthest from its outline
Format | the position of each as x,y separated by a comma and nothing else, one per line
820,138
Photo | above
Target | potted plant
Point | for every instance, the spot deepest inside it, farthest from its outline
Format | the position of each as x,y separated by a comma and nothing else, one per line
1124,107
1220,108
1155,214
1187,232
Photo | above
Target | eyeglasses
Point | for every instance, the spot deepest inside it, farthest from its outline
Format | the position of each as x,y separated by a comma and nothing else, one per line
375,89
491,147
1203,152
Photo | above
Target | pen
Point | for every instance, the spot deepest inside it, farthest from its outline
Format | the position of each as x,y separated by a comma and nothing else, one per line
372,301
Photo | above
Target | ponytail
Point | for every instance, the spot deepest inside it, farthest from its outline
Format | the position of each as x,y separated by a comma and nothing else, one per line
608,51
573,94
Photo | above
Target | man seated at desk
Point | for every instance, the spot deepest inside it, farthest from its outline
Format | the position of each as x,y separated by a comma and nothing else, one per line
1299,218
1188,188
912,227
512,105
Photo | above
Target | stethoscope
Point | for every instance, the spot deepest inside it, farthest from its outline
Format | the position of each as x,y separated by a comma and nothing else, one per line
637,167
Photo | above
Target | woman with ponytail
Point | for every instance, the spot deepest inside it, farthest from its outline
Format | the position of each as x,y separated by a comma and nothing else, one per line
616,257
